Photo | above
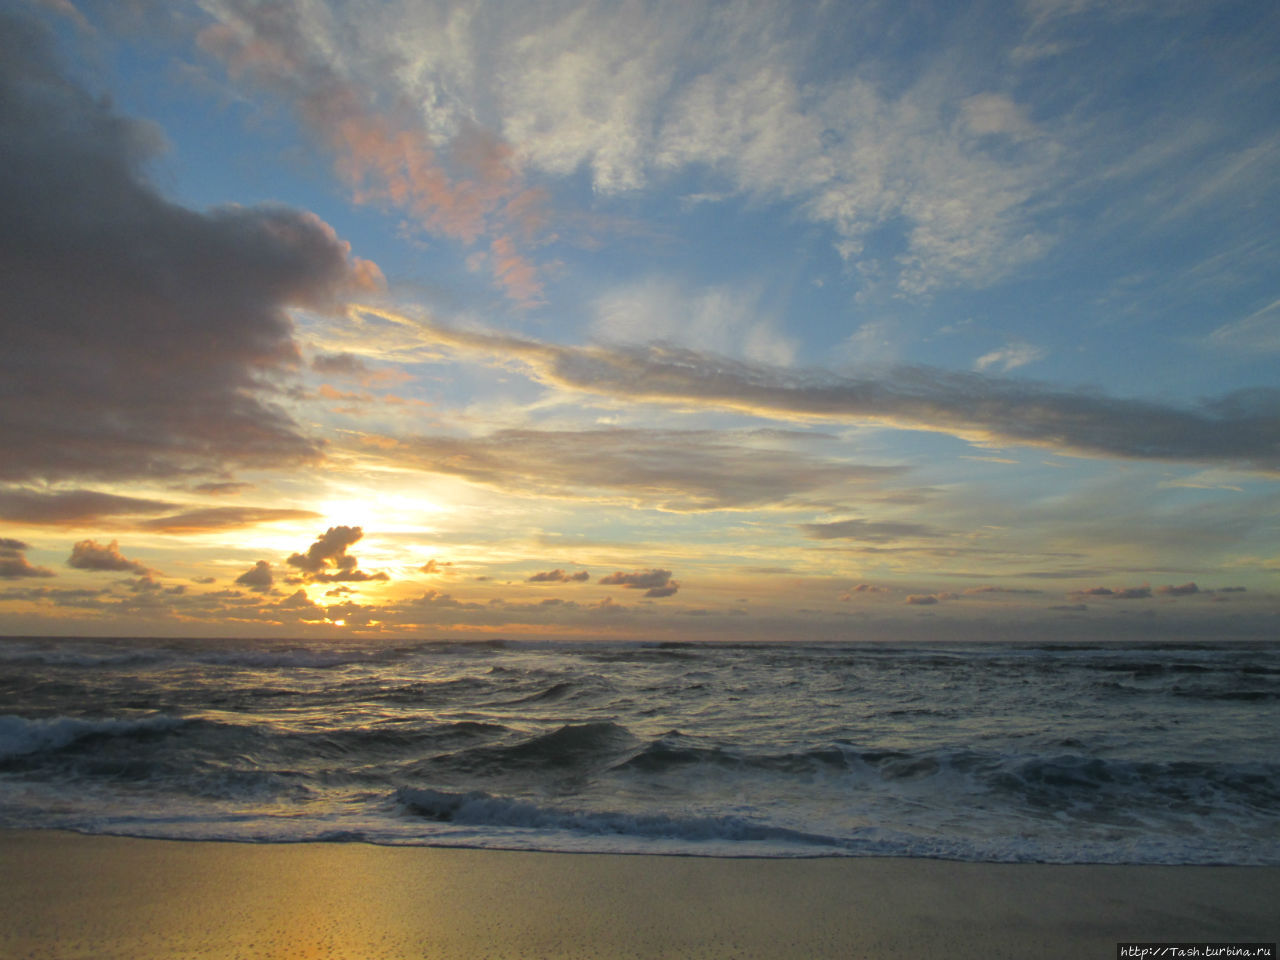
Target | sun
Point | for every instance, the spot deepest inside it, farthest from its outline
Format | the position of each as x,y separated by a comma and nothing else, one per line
379,510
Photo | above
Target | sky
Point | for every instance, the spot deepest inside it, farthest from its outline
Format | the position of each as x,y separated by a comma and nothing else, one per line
640,320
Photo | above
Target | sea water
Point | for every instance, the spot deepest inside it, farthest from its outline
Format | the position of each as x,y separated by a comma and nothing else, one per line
1086,753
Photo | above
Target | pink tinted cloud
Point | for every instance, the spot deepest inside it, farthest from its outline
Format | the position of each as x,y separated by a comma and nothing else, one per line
517,276
385,156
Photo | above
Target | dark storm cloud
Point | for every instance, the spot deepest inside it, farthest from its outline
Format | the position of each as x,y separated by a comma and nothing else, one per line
327,560
1239,428
140,336
14,563
655,583
676,470
91,555
559,576
865,530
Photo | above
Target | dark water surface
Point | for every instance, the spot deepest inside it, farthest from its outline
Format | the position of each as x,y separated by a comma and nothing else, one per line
1130,753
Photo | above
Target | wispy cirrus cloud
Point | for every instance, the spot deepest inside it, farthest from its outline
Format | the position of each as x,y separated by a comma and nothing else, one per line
720,319
1259,331
476,97
1009,357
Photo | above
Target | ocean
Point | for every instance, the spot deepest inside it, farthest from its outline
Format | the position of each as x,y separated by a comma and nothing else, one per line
1060,753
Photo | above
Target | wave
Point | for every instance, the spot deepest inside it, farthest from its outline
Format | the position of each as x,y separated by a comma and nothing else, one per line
571,745
88,655
478,809
20,736
292,657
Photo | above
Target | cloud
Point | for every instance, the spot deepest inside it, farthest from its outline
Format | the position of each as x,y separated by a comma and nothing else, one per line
675,470
327,560
340,364
91,555
559,576
973,591
1259,332
141,336
387,157
434,598
928,599
1132,593
863,588
71,507
1120,593
1009,358
515,273
1241,428
884,532
222,518
434,566
258,578
1182,591
14,564
655,583
607,89
148,584
722,319
329,548
225,488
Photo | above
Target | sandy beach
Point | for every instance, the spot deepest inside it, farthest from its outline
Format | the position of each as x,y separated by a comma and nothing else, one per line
67,895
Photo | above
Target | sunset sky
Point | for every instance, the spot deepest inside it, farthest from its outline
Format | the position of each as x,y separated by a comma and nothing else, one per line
652,320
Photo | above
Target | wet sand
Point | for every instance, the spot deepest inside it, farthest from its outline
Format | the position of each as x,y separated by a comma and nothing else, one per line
64,895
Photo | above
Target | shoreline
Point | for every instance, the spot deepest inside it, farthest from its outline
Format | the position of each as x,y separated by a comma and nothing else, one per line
69,895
